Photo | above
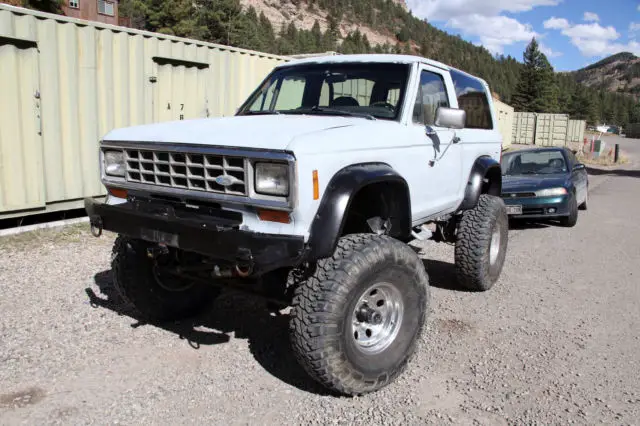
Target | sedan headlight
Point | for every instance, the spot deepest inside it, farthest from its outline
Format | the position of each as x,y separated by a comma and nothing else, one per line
550,192
114,163
272,179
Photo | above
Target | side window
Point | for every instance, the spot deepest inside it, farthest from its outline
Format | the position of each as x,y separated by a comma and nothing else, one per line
352,92
431,95
472,97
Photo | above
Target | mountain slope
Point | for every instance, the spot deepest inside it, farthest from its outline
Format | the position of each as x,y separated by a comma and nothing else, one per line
617,73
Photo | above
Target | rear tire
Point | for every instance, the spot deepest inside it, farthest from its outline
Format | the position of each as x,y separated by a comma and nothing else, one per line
357,319
481,244
155,298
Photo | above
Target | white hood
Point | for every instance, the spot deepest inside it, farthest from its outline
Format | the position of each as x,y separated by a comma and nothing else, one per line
273,132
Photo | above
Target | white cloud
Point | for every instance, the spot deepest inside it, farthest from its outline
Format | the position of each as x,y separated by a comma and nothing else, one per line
494,32
554,23
634,27
443,10
482,19
593,39
591,31
549,52
591,17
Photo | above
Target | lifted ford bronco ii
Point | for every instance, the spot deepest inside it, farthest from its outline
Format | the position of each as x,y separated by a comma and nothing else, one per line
309,196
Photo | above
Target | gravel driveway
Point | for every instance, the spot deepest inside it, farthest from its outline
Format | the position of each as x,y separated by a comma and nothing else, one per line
555,341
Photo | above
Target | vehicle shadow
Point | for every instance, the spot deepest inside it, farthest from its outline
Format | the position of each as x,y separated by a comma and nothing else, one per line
615,172
443,275
520,224
246,316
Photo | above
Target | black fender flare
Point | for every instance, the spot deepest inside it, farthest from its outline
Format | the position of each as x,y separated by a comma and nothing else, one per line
331,215
481,168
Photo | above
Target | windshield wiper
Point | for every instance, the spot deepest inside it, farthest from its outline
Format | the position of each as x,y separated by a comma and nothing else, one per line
335,111
267,112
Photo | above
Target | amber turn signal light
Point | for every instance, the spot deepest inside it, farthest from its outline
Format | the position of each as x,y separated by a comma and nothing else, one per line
274,216
117,192
316,186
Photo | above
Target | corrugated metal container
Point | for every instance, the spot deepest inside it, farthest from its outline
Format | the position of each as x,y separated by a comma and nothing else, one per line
505,116
575,131
524,128
551,129
65,83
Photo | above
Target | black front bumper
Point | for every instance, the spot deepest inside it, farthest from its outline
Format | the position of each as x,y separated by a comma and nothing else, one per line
211,235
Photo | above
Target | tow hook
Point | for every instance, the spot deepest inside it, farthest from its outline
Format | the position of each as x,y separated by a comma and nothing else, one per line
244,263
96,226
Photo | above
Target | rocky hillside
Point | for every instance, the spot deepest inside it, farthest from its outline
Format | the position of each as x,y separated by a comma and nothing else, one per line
304,14
617,73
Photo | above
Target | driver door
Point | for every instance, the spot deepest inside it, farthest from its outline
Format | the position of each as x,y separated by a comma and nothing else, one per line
440,177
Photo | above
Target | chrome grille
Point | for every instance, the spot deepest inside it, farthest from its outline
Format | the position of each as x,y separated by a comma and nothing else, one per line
197,172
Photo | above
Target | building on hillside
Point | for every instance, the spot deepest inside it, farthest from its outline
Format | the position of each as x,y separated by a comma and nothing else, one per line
105,11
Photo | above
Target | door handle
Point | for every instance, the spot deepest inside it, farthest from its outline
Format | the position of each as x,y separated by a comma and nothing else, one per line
455,139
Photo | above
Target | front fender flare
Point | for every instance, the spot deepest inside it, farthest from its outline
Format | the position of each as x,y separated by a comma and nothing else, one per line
330,218
481,168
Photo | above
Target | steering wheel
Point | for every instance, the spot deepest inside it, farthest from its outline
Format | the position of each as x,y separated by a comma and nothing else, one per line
384,104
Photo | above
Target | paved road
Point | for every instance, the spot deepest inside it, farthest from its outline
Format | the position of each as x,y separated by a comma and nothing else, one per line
556,341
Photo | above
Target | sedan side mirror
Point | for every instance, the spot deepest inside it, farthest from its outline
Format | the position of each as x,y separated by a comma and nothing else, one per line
451,118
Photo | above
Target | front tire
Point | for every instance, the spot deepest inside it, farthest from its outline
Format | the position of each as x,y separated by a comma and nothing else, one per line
481,244
571,220
155,297
357,319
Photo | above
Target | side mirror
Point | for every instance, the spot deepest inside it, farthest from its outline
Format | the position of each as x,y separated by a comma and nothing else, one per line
451,118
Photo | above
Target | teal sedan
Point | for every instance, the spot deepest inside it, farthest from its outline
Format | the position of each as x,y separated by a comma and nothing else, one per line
544,183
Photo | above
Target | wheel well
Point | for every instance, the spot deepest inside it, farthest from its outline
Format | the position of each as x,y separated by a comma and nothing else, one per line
387,200
493,182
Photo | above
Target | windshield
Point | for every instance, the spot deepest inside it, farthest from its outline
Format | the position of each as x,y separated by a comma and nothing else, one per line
534,163
351,89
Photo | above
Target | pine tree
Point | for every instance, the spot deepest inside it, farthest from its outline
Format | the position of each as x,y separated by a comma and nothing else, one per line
318,38
536,90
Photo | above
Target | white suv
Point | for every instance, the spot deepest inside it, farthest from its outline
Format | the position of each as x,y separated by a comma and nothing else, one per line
308,196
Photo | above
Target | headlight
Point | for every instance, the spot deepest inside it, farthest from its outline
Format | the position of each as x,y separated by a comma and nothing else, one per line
114,163
550,192
272,179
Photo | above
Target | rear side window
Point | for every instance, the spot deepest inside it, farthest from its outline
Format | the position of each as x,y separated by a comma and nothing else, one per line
472,97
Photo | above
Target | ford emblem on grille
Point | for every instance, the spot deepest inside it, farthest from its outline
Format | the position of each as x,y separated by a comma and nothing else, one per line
224,180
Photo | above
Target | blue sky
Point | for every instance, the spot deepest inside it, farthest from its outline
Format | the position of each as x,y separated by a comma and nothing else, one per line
573,33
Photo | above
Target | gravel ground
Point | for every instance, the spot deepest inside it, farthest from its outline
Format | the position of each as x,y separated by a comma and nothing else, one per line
554,342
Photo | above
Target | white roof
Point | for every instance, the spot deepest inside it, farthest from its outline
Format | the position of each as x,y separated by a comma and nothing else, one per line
366,57
373,57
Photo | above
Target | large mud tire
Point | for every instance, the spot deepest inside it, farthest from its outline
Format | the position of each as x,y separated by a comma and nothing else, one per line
335,331
135,281
481,244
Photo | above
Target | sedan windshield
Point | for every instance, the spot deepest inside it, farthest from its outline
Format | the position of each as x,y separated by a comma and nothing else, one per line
534,163
349,89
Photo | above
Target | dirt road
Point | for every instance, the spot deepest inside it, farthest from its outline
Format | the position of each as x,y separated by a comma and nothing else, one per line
556,341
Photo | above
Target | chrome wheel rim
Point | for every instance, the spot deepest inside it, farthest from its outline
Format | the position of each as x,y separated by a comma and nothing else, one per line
494,248
377,318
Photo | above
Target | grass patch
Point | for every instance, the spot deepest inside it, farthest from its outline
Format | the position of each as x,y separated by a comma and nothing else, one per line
74,233
604,159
